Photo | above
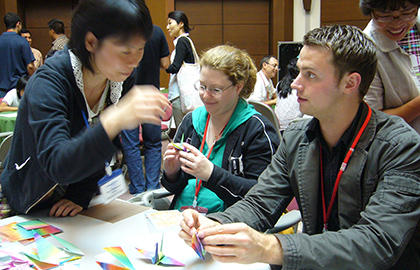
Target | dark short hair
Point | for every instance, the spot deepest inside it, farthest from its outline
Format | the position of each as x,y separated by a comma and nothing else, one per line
266,59
120,19
367,6
11,19
25,31
57,26
180,16
352,51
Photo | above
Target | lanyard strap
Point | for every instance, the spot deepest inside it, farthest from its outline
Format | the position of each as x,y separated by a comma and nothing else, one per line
108,169
326,214
198,186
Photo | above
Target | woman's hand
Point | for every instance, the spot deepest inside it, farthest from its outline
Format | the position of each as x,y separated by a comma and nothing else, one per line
65,207
195,163
142,104
171,163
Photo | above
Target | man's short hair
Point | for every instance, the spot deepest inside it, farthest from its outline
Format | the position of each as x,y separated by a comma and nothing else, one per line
266,59
10,20
25,31
57,26
352,51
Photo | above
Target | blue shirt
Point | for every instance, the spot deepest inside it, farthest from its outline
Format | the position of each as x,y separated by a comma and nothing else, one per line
15,55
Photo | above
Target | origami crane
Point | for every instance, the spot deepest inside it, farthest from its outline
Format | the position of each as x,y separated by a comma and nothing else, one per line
198,246
157,256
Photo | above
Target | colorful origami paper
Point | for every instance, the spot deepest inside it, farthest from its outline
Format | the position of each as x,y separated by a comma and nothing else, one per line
69,247
198,246
179,147
157,256
33,224
47,256
118,254
11,232
108,266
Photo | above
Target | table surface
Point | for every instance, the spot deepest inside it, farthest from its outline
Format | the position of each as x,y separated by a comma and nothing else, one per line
91,235
7,121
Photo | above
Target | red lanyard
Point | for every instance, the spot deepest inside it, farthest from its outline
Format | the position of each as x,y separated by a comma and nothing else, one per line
326,214
198,187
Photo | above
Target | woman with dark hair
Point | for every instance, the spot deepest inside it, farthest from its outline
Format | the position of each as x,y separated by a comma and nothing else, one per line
179,28
12,99
395,30
71,114
287,106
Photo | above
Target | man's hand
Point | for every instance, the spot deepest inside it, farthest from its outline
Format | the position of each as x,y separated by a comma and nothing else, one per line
192,222
65,207
239,243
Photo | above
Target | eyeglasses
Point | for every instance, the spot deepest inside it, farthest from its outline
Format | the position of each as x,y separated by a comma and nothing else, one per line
214,91
403,17
274,66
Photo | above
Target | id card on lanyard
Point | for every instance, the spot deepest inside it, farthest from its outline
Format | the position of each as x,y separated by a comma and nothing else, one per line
112,185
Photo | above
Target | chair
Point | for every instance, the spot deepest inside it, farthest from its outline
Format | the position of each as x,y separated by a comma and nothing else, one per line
287,220
156,199
265,110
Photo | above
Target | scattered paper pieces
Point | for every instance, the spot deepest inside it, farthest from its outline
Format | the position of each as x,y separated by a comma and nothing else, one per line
46,255
12,232
33,224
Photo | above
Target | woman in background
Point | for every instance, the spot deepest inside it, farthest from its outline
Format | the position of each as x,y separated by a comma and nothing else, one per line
179,28
395,30
70,116
229,143
287,107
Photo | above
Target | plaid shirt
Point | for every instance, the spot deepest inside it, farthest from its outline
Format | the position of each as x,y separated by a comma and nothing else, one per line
411,45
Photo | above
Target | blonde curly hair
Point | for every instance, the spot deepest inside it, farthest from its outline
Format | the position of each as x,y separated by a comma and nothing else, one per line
235,63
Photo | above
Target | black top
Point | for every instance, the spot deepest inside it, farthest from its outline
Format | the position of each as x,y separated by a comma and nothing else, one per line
184,53
149,69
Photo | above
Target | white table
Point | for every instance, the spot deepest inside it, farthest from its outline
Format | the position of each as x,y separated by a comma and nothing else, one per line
91,235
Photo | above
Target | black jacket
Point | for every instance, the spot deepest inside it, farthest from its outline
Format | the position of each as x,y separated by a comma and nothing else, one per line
248,152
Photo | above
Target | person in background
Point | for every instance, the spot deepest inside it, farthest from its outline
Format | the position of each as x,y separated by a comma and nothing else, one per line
264,90
16,58
37,54
287,106
355,173
156,56
11,101
228,144
394,28
59,38
71,115
179,28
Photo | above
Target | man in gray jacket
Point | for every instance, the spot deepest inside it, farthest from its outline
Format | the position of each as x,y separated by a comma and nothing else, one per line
354,171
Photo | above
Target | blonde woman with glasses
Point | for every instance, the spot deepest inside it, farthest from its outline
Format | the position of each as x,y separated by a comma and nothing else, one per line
395,30
222,147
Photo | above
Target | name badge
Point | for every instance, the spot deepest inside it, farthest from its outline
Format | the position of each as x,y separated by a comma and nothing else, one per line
199,209
112,186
